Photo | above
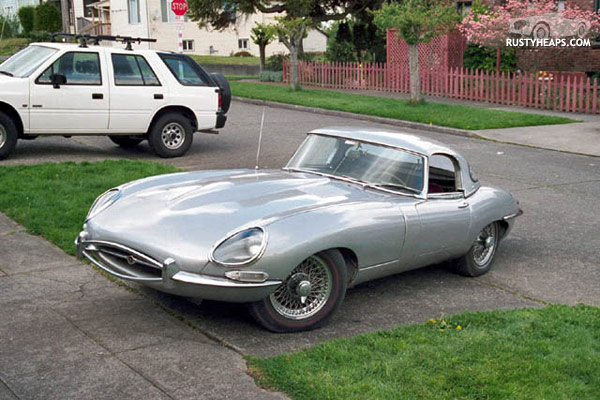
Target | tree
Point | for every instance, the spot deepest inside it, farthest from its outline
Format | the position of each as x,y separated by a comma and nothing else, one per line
221,14
47,18
291,31
417,21
26,16
262,35
492,27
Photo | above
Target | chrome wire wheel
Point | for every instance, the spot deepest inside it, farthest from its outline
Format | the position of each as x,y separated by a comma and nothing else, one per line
173,136
3,136
485,245
306,290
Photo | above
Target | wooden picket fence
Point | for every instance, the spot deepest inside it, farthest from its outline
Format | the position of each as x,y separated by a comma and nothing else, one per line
562,92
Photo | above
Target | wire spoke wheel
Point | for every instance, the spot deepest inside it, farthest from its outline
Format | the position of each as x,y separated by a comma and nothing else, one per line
173,136
485,245
306,290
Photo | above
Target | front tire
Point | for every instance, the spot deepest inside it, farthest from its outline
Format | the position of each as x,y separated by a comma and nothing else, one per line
480,257
171,136
308,297
126,141
8,136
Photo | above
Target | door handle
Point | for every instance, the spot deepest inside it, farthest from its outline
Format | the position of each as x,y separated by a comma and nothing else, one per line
158,96
464,204
97,96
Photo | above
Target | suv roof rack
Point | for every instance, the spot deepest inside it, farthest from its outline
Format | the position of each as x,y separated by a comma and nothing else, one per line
96,39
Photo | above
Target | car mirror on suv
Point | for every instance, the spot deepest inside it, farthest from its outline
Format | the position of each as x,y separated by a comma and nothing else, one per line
57,80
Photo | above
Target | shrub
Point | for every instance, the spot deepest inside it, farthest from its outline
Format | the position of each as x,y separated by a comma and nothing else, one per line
485,58
242,53
275,62
270,76
26,16
47,18
9,26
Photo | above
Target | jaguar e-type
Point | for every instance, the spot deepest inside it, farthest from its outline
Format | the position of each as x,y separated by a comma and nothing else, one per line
351,205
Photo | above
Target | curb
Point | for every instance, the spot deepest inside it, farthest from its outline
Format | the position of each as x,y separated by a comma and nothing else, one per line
361,117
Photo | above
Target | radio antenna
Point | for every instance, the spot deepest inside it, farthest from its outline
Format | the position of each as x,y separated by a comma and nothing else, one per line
262,124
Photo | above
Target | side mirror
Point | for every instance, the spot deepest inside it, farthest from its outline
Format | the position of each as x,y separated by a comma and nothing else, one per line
57,80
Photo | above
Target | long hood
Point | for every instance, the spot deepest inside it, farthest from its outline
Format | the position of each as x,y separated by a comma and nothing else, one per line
187,213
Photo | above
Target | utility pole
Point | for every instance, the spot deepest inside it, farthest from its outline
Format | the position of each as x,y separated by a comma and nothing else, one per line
65,11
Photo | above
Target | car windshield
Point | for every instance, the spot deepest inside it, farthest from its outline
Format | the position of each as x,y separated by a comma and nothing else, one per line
26,61
371,164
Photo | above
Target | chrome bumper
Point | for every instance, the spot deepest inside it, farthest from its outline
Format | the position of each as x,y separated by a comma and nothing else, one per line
129,264
514,215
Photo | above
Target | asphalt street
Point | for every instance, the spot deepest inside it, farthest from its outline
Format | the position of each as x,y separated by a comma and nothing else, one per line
551,255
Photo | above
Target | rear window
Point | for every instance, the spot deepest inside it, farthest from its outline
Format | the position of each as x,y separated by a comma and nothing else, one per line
186,71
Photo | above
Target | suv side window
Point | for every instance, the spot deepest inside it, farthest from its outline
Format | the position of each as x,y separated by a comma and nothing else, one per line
78,67
184,71
133,70
442,175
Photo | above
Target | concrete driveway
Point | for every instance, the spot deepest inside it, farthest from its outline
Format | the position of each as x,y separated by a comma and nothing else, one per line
551,256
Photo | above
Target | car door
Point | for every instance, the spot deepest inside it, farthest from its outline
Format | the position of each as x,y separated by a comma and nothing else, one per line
136,93
445,216
80,105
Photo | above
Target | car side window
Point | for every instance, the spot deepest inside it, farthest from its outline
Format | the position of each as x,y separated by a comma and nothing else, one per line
80,68
133,70
442,175
184,71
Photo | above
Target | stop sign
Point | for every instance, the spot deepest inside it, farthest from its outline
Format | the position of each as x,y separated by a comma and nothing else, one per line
179,7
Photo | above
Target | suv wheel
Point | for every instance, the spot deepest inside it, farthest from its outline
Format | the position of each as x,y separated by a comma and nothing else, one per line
127,141
8,135
171,136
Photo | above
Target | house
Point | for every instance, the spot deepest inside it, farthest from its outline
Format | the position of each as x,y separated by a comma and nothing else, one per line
9,8
154,19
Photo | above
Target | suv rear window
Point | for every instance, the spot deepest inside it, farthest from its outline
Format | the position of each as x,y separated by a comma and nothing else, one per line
186,71
132,70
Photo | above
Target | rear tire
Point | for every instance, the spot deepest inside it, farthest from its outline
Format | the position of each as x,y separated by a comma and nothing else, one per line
171,136
226,90
8,136
480,257
127,141
321,278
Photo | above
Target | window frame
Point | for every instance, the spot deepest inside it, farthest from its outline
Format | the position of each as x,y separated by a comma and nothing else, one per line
140,68
37,80
189,41
459,193
243,40
129,14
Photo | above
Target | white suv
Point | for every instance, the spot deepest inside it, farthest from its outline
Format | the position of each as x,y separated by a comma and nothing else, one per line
130,95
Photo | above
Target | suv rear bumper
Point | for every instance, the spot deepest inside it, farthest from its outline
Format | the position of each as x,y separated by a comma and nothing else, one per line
221,119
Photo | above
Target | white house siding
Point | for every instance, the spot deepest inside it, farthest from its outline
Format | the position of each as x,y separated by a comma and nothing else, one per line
10,7
223,43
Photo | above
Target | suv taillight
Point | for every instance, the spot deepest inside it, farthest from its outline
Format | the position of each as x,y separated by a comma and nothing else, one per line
220,100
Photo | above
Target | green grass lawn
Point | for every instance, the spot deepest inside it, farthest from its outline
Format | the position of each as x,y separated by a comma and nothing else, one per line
10,46
537,353
239,77
549,353
455,116
52,200
226,60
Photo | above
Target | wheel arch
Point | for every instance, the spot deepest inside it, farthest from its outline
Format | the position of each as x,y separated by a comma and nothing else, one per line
186,111
14,115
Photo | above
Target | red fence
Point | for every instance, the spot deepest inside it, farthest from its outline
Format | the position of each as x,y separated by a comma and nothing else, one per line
551,92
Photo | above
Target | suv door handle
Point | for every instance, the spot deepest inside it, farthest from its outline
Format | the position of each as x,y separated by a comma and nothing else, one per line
97,96
158,96
464,204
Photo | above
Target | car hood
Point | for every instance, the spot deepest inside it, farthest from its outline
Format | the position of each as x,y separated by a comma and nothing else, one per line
188,213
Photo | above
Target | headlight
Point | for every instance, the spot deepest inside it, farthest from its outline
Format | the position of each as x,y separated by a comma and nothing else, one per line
103,201
240,248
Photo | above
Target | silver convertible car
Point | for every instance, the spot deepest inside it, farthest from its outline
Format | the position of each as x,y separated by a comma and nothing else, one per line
351,205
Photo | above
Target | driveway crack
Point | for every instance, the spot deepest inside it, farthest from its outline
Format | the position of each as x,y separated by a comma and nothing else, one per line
513,292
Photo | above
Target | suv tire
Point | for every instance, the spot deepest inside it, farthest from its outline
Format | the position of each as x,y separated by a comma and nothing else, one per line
225,90
8,136
127,141
171,135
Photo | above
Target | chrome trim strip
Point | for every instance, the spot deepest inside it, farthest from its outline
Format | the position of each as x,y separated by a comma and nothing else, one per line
377,265
118,275
136,253
511,216
204,280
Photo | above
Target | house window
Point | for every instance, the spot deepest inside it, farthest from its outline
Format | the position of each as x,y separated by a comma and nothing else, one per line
243,44
188,45
134,11
167,14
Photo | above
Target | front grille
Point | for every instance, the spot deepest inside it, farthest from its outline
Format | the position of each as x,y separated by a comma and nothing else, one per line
122,261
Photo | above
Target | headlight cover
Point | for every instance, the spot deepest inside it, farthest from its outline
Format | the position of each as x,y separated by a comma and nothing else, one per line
103,201
240,248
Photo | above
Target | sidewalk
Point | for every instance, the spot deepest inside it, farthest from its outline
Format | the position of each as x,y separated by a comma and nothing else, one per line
67,332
